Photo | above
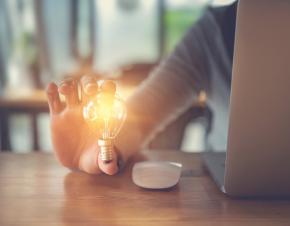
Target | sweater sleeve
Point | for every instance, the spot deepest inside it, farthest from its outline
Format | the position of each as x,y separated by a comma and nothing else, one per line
169,90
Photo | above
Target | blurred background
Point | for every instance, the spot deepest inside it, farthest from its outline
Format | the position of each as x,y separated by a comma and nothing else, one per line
46,40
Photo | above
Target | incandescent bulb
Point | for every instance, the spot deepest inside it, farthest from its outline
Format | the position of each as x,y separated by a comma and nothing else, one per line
107,112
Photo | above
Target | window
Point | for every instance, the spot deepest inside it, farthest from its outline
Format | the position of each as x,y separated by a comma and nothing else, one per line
126,32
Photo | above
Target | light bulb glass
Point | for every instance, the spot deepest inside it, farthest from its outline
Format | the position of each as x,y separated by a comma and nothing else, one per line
107,113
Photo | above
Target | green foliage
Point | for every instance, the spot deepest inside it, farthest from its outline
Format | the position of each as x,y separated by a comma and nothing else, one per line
177,22
24,47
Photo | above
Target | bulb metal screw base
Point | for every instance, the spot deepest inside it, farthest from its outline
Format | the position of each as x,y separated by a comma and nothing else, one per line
106,150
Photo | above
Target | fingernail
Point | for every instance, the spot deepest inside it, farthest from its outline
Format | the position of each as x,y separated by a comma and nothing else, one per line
107,161
64,88
51,88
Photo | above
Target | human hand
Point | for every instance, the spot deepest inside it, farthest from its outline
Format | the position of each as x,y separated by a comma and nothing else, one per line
74,142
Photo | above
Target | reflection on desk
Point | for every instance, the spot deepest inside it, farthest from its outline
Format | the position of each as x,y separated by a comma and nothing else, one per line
36,190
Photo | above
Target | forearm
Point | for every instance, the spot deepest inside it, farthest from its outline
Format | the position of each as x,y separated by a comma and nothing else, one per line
166,94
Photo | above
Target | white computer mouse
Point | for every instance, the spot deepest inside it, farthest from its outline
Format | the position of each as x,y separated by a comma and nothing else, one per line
156,174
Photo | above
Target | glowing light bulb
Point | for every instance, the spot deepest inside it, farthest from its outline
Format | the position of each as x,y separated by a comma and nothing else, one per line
107,113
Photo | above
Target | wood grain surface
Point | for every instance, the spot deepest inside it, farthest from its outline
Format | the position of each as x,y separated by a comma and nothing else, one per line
36,190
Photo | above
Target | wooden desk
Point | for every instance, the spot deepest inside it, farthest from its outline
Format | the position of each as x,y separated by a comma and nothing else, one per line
36,190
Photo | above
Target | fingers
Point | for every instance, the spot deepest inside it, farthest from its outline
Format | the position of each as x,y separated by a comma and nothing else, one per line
54,103
69,88
89,87
110,168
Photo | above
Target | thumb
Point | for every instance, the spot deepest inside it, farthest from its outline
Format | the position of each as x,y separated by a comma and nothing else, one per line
88,161
110,168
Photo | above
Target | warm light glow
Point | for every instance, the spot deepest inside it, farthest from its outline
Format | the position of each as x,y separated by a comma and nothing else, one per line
107,113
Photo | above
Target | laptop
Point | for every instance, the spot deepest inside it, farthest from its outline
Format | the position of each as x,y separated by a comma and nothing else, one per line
257,161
